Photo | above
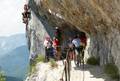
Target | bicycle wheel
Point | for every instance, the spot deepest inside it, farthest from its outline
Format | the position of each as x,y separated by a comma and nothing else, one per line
78,60
82,57
75,58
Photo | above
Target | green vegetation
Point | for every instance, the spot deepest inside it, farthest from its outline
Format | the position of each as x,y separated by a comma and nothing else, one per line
2,76
53,63
32,68
93,61
39,58
112,71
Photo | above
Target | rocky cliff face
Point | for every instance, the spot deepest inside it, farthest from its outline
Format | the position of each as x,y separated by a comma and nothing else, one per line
99,19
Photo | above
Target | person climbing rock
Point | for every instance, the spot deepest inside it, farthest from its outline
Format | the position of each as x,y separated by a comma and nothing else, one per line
26,7
26,14
25,19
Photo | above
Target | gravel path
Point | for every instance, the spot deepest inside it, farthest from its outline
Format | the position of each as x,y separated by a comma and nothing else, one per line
90,73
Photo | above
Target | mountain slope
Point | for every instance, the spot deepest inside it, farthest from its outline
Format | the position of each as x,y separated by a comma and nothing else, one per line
15,63
9,43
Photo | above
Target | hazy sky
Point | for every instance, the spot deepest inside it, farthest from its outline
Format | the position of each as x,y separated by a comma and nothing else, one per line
10,17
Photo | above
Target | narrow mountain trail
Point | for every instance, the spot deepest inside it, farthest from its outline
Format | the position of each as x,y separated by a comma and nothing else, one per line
90,73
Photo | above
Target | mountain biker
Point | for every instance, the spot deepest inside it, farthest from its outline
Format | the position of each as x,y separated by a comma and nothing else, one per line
76,41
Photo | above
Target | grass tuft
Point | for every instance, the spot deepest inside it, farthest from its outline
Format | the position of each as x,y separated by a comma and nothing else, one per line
39,58
53,63
93,61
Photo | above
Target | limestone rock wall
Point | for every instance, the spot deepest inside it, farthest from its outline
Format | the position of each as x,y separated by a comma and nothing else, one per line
106,47
99,19
37,33
39,28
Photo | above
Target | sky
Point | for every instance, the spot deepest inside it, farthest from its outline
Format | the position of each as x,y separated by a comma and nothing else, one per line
11,18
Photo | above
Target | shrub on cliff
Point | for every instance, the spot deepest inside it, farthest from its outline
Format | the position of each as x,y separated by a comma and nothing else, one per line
2,76
93,61
112,71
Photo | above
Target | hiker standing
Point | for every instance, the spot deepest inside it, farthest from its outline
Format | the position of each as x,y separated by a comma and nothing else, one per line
58,34
56,46
26,15
48,46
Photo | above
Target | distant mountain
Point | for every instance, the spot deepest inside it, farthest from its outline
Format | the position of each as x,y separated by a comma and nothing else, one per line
15,63
9,43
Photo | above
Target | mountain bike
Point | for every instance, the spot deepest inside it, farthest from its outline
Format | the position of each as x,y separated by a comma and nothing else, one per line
79,57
